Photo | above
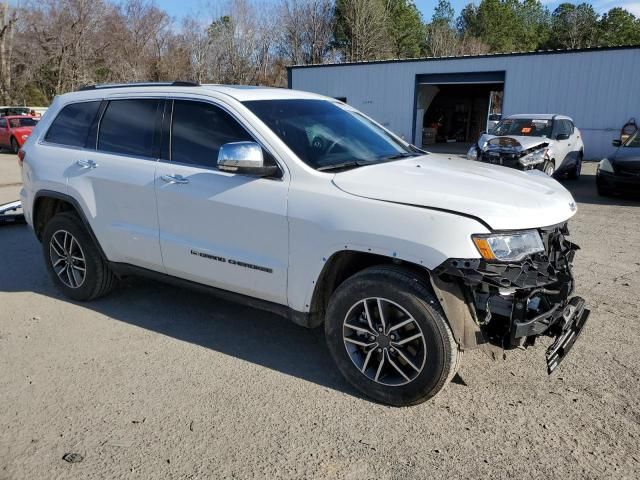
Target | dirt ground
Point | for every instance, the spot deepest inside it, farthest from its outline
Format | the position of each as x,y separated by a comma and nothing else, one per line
158,382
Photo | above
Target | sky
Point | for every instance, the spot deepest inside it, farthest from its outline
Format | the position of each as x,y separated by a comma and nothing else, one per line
180,8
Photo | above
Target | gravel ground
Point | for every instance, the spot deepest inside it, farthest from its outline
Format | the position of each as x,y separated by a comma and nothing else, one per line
158,382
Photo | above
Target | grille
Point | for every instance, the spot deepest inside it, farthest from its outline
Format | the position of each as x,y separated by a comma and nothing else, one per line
501,158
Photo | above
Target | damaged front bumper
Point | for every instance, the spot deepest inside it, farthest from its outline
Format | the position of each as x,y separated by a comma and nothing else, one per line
511,304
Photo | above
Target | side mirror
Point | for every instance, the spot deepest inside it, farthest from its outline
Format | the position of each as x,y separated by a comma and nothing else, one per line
244,157
616,143
562,136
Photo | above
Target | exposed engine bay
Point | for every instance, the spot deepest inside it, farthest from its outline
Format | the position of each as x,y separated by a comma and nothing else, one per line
513,303
509,152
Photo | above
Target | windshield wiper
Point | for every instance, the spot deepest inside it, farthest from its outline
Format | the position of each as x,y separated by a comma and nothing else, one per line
360,163
349,164
399,156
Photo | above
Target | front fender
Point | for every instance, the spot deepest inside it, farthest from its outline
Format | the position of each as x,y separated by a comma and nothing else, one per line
320,228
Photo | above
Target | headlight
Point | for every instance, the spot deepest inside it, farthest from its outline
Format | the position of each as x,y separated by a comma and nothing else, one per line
472,154
508,247
24,137
605,165
533,158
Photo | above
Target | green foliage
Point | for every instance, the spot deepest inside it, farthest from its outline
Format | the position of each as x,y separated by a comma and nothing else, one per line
405,28
619,27
506,25
32,96
400,19
444,13
574,26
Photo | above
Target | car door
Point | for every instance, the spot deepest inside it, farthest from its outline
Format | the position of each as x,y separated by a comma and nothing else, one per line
221,229
4,133
114,179
562,147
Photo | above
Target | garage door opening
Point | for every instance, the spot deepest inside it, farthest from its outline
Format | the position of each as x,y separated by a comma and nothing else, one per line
453,110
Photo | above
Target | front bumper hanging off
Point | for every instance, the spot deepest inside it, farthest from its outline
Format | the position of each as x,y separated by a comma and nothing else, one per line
514,303
575,316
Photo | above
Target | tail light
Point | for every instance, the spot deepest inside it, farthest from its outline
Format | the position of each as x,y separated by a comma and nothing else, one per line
21,155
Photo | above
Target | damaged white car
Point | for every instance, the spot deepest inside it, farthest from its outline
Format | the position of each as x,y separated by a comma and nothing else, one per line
301,205
546,142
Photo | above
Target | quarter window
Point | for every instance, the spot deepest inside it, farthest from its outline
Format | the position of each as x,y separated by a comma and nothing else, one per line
71,126
128,127
199,130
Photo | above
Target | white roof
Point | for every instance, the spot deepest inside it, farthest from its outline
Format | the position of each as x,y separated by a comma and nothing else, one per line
240,93
540,116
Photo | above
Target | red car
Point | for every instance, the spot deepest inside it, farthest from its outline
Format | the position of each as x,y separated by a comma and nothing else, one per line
15,130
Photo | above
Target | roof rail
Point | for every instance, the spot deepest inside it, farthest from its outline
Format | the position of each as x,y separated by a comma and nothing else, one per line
177,83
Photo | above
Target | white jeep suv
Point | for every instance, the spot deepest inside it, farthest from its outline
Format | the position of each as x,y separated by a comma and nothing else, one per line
304,206
547,142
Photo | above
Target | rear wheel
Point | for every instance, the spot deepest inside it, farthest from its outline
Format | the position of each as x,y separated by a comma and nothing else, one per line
389,337
14,145
73,260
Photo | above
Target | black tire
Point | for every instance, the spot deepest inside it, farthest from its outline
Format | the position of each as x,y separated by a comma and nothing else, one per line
574,174
402,287
549,167
98,278
603,191
14,145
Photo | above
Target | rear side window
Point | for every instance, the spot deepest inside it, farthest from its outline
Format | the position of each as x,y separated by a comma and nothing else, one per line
128,127
71,126
199,130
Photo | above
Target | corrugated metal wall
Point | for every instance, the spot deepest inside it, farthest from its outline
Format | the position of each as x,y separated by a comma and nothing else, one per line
599,89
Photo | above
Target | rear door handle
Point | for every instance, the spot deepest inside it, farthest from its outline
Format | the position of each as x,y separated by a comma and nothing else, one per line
86,164
175,179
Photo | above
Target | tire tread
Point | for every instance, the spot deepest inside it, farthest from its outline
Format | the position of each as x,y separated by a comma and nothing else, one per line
423,293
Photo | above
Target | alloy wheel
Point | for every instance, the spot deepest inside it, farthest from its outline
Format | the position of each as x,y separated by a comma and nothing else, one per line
550,169
384,341
67,259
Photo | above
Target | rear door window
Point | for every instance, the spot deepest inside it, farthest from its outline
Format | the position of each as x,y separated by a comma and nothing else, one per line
128,127
198,131
71,126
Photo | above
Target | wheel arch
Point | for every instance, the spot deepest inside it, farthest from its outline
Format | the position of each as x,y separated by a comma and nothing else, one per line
48,203
344,264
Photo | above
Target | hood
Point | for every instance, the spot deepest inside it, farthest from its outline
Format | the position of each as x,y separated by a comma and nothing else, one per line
504,198
525,142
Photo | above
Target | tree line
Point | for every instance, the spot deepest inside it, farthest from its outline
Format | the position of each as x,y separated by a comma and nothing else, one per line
48,47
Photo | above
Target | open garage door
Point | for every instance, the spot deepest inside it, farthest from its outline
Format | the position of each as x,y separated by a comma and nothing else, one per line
453,109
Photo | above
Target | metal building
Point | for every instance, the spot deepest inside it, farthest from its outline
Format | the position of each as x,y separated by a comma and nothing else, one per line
453,99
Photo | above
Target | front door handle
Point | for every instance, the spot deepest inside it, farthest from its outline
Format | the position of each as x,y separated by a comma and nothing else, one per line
175,179
87,164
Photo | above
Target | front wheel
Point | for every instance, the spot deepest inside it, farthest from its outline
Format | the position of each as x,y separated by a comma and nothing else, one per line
389,337
14,145
549,168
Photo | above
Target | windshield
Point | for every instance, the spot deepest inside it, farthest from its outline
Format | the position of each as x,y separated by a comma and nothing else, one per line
22,122
527,127
325,135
